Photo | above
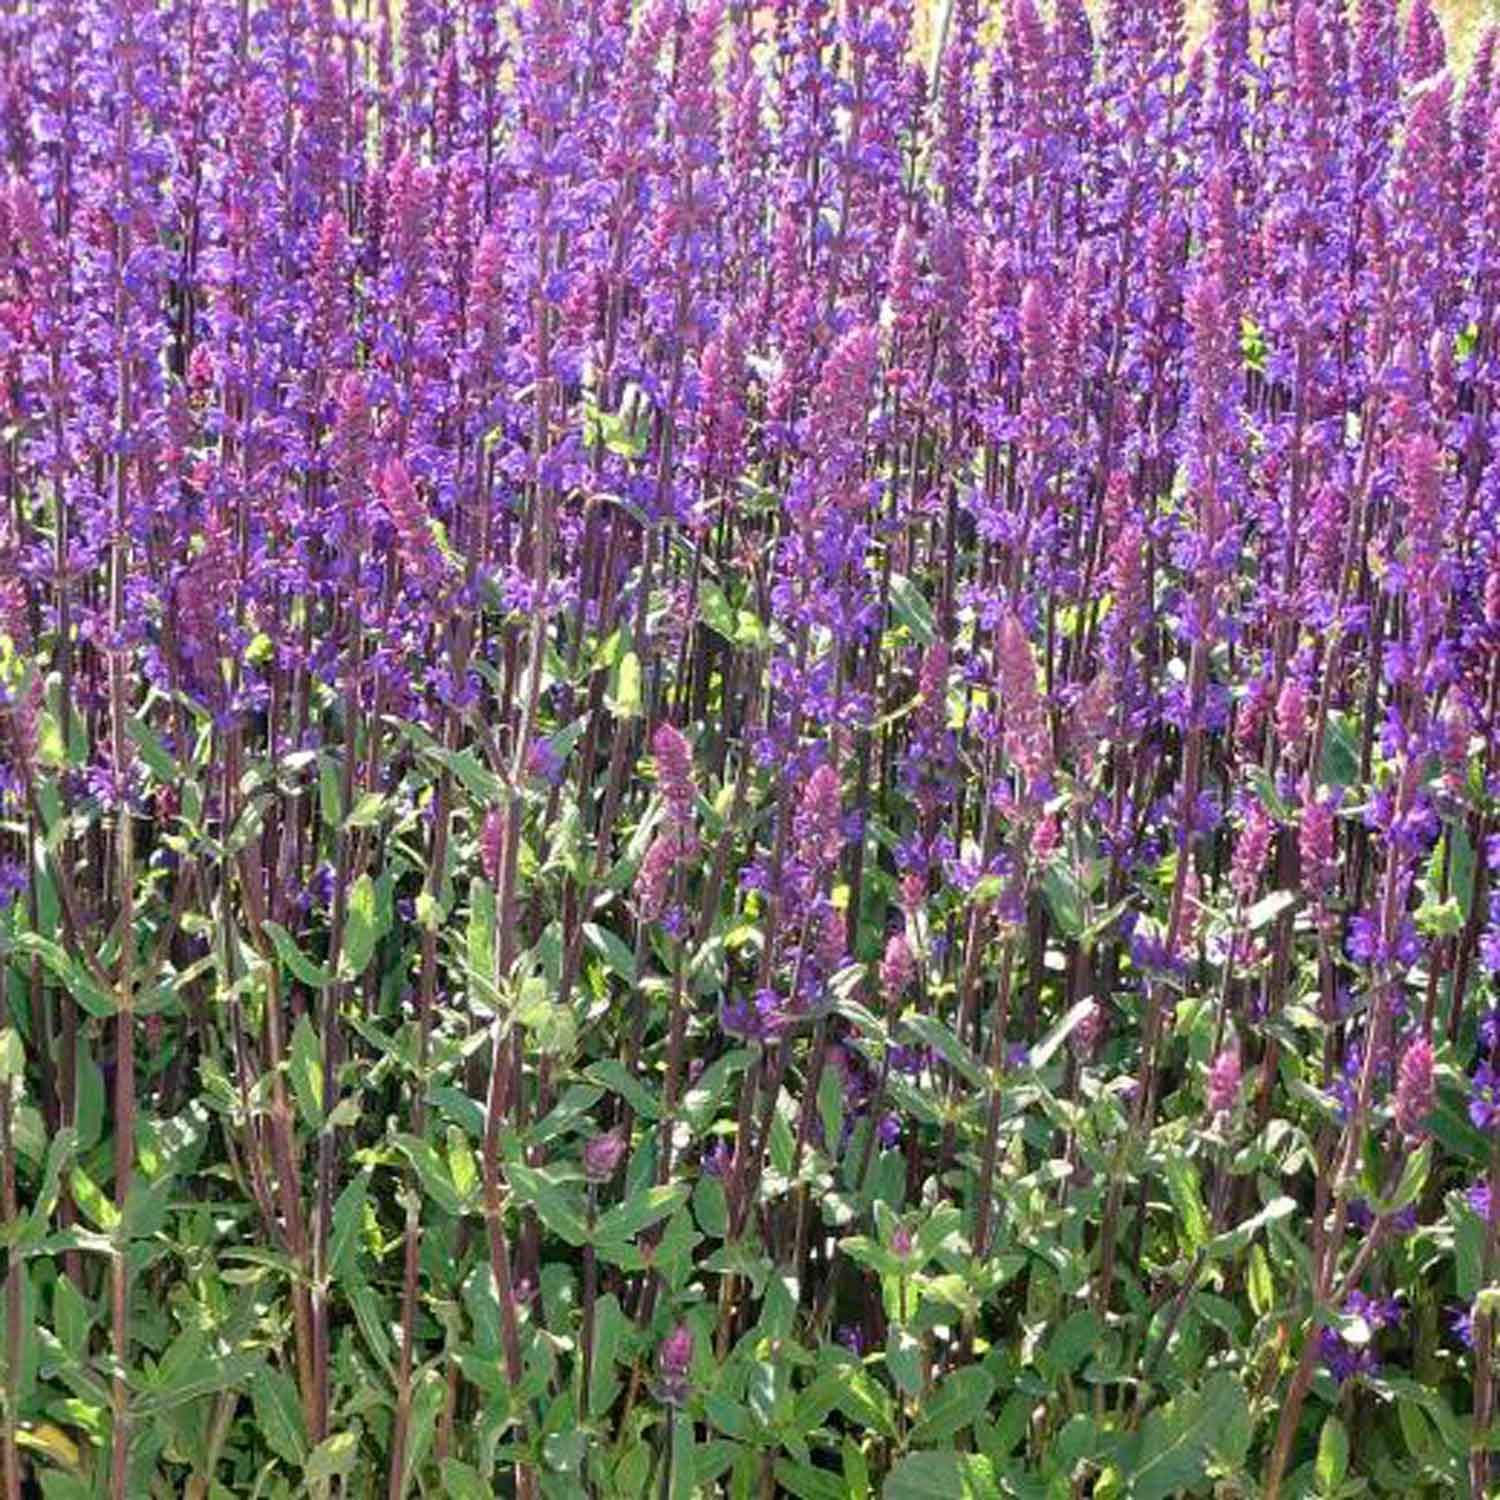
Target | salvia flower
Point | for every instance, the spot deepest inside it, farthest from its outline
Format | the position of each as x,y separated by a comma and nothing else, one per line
602,1155
1461,1320
654,878
1484,1097
819,830
1414,1100
21,717
897,969
674,773
415,543
1223,1087
674,1363
1027,737
1089,1032
492,843
1317,845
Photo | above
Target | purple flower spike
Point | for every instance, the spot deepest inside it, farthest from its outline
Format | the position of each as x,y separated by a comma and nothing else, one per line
1414,1090
1223,1088
674,1362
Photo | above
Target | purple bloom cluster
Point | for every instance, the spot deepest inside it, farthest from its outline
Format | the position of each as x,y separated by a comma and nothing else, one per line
1348,1358
751,565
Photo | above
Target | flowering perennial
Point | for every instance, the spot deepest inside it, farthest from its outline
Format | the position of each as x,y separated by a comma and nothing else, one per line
748,747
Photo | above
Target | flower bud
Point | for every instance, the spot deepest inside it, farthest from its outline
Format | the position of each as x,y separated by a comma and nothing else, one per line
1414,1089
674,772
1291,714
674,1360
820,838
1224,1082
1089,1031
602,1155
896,967
491,843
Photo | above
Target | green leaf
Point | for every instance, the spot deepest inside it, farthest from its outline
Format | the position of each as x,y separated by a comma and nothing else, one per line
903,1359
426,1405
616,953
361,928
863,1400
954,1403
942,1041
1413,1179
856,1471
60,1152
367,810
556,1205
348,1217
1463,865
942,1476
831,1105
306,1067
641,1210
1042,1053
741,1259
278,1414
332,1459
87,1195
1469,1234
1174,1447
1252,344
1414,1428
1070,1345
1000,1438
1259,1283
1341,754
557,1032
199,1377
56,1484
1333,1456
808,1483
462,1482
478,780
1065,897
293,958
614,1075
912,610
570,1113
716,611
462,1166
89,1086
626,702
700,1101
864,1251
330,792
1270,798
153,752
1232,1241
71,1317
481,934
611,1332
1182,1183
1455,1433
436,1183
370,1313
74,975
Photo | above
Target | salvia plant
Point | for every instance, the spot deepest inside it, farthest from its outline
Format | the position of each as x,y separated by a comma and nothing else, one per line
748,750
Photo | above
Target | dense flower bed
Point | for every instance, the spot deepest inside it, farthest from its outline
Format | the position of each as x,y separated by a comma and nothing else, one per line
737,758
